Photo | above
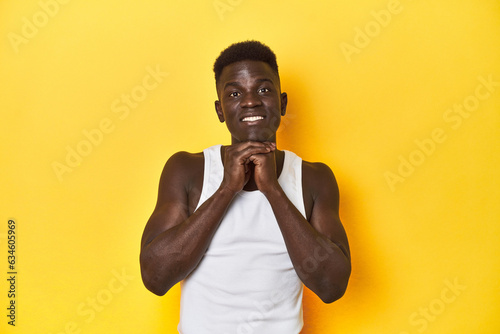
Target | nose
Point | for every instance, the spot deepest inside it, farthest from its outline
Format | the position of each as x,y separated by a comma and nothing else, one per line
250,100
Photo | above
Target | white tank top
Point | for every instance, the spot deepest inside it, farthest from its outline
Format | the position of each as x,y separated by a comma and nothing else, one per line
245,283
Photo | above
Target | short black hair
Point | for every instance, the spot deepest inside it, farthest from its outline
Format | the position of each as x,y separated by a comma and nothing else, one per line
247,50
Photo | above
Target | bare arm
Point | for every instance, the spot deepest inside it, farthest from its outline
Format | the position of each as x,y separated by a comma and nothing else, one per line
318,249
174,242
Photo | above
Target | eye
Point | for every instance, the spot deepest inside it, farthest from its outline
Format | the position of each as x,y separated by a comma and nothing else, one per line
234,94
264,90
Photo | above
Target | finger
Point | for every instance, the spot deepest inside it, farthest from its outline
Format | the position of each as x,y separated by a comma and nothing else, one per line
251,144
248,152
271,145
251,147
258,158
241,152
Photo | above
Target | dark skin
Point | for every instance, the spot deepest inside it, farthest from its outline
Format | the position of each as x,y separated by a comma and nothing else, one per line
176,237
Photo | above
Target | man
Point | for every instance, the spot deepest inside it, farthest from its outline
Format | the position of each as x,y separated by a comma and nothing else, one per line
243,226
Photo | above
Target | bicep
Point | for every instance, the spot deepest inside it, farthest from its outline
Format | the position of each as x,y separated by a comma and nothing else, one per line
325,210
172,204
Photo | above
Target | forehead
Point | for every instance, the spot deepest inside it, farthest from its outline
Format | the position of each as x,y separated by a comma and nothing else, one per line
247,70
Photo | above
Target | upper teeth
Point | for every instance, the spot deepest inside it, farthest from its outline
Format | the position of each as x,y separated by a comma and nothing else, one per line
252,118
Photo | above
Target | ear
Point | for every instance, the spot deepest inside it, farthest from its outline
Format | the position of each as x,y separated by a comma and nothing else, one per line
284,101
218,110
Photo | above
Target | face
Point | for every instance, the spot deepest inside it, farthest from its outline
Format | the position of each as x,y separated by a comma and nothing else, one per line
250,101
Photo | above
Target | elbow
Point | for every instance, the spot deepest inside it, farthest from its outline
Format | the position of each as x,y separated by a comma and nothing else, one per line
336,288
333,294
150,278
157,291
152,286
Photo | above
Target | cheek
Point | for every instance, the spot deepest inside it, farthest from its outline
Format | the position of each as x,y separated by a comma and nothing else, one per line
232,122
231,119
274,121
228,109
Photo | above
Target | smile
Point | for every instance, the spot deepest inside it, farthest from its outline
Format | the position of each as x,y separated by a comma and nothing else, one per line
252,118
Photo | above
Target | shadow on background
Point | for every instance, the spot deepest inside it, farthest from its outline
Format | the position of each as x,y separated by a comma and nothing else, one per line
297,133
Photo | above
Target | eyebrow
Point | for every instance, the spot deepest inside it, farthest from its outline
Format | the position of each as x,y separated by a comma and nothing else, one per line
237,84
232,83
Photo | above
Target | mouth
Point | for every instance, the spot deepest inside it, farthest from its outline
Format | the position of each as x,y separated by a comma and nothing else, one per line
252,118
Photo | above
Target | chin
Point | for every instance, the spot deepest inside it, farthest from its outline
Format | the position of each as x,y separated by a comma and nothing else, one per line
257,139
262,135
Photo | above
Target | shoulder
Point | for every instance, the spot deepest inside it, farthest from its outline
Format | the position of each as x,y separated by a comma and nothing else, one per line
184,163
316,167
185,159
181,169
318,179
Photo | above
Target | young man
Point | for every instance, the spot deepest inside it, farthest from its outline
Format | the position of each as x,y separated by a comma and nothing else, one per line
243,226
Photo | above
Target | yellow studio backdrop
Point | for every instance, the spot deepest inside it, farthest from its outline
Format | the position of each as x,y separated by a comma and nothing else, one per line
400,98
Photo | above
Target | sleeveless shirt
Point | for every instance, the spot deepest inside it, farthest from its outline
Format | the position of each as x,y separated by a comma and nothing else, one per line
245,283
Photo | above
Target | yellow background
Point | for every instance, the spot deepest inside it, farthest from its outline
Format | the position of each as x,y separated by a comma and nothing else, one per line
360,112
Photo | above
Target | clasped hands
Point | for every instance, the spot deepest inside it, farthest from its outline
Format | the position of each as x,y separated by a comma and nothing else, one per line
242,161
